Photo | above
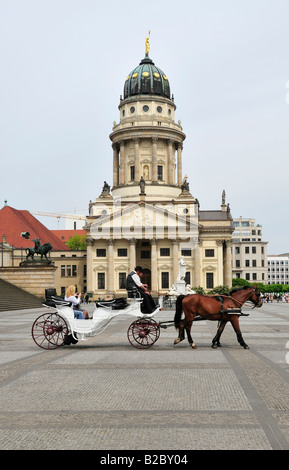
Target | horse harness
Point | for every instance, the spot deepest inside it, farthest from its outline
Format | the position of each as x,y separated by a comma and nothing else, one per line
233,309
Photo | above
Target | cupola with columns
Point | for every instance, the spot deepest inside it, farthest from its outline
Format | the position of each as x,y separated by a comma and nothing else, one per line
147,142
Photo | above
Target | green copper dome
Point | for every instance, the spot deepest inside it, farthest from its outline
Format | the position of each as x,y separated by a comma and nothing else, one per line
146,79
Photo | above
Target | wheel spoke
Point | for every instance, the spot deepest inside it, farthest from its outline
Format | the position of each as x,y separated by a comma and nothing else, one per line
49,331
142,334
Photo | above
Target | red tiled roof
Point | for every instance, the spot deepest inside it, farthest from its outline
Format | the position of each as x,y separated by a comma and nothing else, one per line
13,222
65,235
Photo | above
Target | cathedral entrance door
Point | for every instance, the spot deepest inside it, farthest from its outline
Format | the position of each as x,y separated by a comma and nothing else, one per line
146,278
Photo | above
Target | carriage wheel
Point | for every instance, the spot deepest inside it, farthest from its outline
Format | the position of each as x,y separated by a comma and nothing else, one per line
142,334
49,331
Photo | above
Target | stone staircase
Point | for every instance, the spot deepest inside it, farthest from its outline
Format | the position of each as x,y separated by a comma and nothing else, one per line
14,298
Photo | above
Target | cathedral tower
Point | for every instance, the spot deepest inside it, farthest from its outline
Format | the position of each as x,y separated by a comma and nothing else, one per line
147,142
147,216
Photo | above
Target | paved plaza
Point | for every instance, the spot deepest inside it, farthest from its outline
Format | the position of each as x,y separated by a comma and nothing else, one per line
103,394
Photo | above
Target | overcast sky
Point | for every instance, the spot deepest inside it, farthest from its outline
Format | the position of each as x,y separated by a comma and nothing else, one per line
63,67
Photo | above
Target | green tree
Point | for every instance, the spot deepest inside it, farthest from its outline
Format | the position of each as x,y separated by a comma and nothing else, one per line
198,290
225,290
77,242
239,282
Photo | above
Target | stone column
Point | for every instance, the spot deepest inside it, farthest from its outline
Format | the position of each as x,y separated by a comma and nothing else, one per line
132,254
110,267
180,179
136,160
89,258
154,267
175,261
115,165
122,164
154,159
220,270
228,264
170,159
197,251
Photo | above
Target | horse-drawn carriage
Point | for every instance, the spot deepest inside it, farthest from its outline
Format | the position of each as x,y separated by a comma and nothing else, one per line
59,327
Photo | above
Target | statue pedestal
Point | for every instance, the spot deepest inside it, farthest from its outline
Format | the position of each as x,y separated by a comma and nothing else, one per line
181,287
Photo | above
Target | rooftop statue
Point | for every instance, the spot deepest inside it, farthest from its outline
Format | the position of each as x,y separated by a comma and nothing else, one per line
147,43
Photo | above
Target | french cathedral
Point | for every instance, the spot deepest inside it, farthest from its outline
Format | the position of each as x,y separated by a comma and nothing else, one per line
147,215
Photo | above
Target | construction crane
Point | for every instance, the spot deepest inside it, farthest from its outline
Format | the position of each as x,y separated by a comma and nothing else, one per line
60,216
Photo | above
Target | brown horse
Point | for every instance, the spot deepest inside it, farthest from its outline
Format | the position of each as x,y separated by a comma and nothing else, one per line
219,307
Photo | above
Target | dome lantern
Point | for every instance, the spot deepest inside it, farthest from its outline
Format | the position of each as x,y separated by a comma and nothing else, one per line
147,79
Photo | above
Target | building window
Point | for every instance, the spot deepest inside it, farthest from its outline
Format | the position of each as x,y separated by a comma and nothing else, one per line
63,270
254,249
160,173
101,252
237,250
101,281
68,270
144,254
164,252
132,173
237,263
165,280
247,249
188,277
122,280
254,263
247,263
209,280
186,252
254,276
247,276
209,253
122,252
74,270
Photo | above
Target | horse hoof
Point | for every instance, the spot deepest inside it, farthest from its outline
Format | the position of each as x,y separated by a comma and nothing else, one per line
245,346
214,346
193,346
177,341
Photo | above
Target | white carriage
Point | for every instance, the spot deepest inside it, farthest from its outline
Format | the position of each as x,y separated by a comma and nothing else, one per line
59,326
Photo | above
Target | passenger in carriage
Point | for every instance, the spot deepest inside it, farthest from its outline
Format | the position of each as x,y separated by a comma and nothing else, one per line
134,281
75,299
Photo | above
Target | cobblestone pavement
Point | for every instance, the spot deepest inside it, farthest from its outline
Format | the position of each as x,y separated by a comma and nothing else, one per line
104,394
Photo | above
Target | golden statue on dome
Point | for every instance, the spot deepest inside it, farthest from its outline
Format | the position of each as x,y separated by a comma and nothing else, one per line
147,43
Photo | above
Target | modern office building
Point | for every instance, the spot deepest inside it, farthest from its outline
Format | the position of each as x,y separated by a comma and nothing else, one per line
249,251
278,269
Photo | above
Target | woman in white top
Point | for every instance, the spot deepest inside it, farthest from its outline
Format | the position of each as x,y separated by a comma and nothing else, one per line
75,299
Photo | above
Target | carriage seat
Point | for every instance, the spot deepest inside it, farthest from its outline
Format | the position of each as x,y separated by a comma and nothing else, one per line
115,304
56,302
53,300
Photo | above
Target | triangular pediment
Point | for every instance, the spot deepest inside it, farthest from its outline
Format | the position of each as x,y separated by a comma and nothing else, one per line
144,220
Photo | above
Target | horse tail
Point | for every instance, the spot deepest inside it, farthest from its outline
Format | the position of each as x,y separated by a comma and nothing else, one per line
179,310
